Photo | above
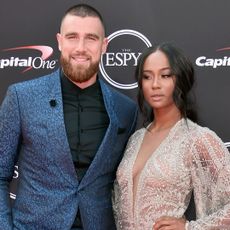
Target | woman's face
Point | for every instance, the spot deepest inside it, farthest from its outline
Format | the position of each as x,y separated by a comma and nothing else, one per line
158,81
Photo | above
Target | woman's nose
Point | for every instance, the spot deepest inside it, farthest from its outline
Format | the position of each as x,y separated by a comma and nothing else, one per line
155,82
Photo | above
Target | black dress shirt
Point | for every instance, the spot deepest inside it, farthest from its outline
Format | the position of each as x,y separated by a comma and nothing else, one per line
86,122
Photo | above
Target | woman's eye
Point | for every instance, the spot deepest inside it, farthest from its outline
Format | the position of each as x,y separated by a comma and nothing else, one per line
146,77
166,75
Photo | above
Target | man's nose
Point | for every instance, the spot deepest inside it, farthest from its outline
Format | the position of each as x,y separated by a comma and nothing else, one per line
80,46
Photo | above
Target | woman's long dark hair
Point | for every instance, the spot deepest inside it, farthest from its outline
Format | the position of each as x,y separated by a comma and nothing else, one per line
183,70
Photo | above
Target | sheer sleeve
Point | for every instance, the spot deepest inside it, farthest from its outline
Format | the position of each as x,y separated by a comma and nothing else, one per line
210,170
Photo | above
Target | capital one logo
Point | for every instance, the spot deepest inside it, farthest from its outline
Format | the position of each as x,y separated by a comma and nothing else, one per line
29,62
204,61
118,64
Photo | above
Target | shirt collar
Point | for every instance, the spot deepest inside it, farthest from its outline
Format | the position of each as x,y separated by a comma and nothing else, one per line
70,87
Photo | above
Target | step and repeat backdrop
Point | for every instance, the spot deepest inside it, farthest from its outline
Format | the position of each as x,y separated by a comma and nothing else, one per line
28,47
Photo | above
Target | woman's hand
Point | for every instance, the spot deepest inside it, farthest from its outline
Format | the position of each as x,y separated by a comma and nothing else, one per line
169,223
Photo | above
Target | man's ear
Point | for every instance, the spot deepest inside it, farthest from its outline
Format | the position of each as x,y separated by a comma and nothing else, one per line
58,36
105,45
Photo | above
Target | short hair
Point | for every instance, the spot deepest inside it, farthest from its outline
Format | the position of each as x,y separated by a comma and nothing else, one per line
183,70
84,10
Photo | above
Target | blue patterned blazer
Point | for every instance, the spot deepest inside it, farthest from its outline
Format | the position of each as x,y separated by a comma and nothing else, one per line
48,192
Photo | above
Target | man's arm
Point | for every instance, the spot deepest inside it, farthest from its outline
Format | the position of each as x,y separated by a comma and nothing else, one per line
9,138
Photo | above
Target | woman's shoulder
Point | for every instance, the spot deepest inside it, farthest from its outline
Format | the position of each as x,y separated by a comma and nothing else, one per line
198,131
138,134
202,137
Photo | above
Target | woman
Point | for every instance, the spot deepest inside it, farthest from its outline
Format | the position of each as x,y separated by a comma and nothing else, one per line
171,157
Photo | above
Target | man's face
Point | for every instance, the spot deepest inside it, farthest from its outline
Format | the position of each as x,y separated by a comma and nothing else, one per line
81,42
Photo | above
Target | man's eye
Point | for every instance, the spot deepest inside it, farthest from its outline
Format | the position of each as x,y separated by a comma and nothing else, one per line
92,38
71,37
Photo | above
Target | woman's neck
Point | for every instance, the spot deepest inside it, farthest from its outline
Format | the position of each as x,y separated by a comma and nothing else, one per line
164,120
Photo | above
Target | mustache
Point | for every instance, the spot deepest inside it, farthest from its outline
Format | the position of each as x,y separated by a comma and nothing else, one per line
81,53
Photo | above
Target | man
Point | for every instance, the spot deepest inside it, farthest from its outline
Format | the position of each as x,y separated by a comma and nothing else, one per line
68,130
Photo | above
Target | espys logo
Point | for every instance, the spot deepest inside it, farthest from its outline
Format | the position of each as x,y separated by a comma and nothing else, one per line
118,63
39,62
203,61
227,144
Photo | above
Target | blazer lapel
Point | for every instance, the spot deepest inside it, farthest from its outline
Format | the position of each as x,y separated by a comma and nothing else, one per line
108,142
58,140
59,145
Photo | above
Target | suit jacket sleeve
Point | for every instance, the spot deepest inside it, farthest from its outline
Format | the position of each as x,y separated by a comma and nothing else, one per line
9,139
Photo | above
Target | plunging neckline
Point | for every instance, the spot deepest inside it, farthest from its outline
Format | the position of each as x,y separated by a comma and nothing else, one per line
153,155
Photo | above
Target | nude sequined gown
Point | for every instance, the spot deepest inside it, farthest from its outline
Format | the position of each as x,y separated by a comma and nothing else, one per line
189,158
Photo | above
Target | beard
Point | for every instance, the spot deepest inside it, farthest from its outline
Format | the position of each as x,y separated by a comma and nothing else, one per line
79,73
